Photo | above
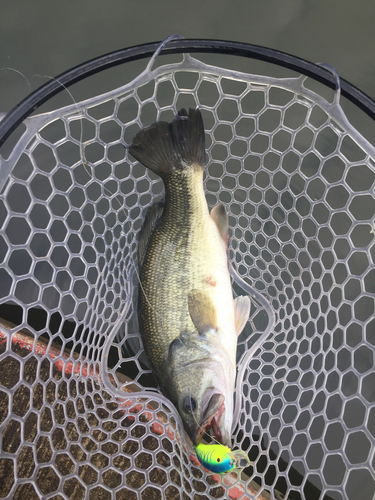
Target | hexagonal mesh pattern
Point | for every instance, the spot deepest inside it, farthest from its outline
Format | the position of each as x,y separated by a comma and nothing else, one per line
298,182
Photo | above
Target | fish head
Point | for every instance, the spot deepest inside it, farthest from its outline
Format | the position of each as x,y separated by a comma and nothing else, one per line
201,385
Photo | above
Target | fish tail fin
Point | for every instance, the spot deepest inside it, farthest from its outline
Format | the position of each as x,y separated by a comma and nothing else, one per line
166,147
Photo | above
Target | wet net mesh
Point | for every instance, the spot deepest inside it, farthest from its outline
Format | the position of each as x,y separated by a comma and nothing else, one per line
80,412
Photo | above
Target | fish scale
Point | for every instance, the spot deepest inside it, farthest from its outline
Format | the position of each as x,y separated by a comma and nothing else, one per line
180,256
187,316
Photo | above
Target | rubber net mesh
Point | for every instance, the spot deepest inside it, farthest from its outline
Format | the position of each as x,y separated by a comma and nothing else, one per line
81,415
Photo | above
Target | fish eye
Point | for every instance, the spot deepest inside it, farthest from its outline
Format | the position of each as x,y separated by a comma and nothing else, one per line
189,405
218,460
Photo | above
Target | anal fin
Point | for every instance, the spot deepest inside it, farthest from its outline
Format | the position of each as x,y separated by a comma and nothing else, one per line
220,217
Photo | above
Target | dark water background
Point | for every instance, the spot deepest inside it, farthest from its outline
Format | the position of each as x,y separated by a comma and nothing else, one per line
39,38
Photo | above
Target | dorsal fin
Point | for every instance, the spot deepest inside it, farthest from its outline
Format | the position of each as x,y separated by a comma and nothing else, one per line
152,217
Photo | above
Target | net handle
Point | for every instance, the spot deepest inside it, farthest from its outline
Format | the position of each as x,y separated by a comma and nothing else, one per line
179,46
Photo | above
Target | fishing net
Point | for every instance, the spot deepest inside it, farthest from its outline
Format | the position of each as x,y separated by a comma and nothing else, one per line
81,415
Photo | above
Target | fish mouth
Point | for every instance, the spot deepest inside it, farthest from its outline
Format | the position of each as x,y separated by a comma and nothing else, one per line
211,417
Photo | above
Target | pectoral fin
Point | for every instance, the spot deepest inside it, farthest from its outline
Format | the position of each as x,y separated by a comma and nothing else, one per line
220,217
202,311
241,312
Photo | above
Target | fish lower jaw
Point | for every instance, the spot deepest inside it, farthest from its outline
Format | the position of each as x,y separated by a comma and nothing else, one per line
211,424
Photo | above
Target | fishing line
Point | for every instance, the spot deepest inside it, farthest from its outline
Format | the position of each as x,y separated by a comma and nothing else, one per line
88,167
194,416
199,426
20,73
85,164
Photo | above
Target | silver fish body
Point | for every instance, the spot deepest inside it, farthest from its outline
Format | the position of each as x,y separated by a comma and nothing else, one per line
188,319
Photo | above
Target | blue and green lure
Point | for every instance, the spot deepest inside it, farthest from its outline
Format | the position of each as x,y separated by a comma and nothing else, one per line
220,459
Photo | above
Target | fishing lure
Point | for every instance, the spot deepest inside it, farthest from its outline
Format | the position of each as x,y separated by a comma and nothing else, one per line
220,459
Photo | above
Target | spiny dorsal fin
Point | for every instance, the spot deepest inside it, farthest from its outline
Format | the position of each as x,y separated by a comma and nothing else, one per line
164,147
241,312
202,311
150,222
220,217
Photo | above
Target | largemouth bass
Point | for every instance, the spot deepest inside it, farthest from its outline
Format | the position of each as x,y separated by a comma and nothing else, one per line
188,319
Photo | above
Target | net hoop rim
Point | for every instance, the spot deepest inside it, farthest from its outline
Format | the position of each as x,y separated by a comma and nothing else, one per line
179,46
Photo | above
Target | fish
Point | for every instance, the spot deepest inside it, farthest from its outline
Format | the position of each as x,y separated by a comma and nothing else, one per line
220,459
188,319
